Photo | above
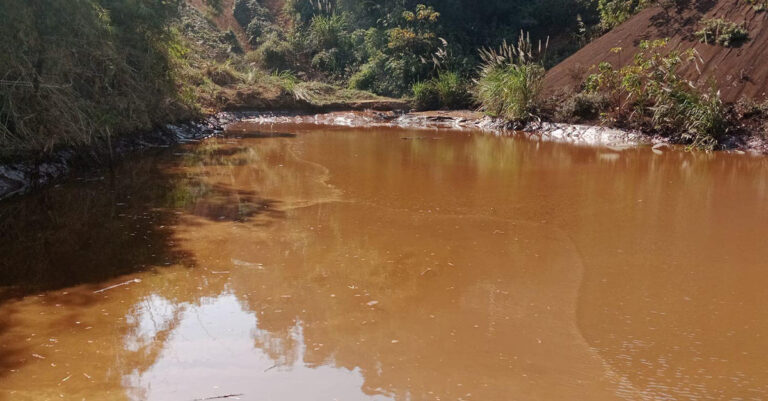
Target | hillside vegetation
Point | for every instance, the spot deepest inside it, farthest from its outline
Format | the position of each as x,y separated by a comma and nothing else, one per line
80,72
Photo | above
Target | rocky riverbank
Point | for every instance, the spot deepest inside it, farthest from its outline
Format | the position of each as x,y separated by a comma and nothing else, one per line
23,176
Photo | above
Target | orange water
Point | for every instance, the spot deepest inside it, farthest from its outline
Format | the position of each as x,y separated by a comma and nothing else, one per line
384,264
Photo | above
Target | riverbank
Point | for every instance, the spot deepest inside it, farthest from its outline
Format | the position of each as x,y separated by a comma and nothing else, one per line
576,134
21,177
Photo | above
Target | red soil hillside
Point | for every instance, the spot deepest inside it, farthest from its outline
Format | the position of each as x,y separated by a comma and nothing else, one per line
741,71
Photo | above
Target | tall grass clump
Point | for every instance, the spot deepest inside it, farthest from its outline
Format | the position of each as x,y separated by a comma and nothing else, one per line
510,79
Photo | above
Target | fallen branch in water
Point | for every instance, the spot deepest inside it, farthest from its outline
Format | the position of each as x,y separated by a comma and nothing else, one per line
136,280
218,397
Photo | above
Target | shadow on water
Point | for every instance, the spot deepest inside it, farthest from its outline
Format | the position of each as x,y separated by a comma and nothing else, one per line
94,229
97,228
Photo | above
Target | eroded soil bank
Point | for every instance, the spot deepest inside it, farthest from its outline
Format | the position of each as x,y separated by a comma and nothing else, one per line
295,261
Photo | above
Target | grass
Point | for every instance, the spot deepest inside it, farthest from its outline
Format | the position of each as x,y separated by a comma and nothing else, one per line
447,90
510,80
73,77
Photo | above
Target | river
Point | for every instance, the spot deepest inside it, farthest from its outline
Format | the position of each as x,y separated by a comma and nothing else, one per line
297,262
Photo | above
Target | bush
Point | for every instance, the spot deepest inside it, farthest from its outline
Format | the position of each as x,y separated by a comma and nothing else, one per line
581,107
246,10
447,90
452,90
722,32
274,54
327,32
383,76
255,30
222,75
425,96
510,81
651,92
615,12
254,18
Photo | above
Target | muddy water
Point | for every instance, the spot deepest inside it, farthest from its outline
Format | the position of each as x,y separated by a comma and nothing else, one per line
296,263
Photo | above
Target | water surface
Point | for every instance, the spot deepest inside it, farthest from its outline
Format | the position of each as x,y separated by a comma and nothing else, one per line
290,262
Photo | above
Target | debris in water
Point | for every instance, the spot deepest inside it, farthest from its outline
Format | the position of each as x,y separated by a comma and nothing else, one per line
372,303
136,280
219,397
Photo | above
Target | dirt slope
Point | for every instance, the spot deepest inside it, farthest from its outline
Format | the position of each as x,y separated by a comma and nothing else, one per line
741,71
225,20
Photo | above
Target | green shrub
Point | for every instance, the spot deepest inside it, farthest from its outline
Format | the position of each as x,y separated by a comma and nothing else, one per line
254,18
255,30
651,92
582,106
222,74
615,12
452,90
722,32
382,75
510,80
327,60
447,90
246,11
425,96
758,5
274,54
327,32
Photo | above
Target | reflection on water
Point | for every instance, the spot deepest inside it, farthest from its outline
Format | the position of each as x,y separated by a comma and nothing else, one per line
221,327
292,263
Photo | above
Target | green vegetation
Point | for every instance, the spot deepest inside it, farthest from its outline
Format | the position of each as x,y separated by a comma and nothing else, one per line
390,46
72,72
581,107
81,72
651,93
447,90
722,32
510,80
758,5
614,12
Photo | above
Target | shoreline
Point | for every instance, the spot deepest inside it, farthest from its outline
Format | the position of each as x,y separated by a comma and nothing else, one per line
23,177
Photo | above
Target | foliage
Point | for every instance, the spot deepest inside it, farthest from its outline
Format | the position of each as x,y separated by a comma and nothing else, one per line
651,91
581,107
510,80
758,5
399,56
447,90
215,5
254,18
722,32
273,54
73,72
614,12
425,96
